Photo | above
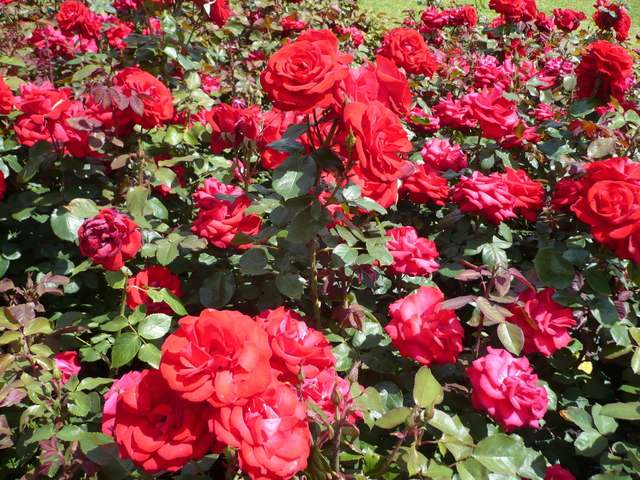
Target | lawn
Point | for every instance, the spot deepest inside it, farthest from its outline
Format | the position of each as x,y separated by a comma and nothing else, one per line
394,8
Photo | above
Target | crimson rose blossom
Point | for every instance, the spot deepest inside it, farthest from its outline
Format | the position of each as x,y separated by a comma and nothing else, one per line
567,20
441,155
6,98
67,363
109,239
421,330
612,16
412,255
232,126
155,99
75,17
380,141
604,71
486,195
426,185
528,195
507,389
222,357
296,347
154,277
524,10
302,75
557,472
3,185
325,389
157,429
543,321
270,433
407,48
496,115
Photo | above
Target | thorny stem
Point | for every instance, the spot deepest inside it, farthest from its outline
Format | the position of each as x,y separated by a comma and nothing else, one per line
314,283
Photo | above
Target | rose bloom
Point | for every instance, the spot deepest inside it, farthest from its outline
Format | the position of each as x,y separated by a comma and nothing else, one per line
67,363
75,17
111,399
609,202
488,196
524,10
556,472
158,430
463,16
297,348
380,141
441,155
543,321
603,71
118,32
490,72
154,277
496,115
275,124
507,389
380,81
221,356
565,194
270,433
156,99
567,20
332,394
217,12
412,255
421,330
6,98
231,127
219,220
109,239
426,185
302,75
528,195
454,113
384,193
407,48
612,16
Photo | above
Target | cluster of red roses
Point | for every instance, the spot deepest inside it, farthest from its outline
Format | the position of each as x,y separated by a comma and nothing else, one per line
227,379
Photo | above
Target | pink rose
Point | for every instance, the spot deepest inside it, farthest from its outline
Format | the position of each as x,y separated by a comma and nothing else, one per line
441,155
67,363
486,195
111,399
421,330
412,255
507,389
496,115
332,394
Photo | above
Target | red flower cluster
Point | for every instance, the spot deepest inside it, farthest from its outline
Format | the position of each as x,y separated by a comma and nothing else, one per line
500,196
220,218
407,48
515,10
426,185
221,381
420,329
567,20
612,16
441,155
505,387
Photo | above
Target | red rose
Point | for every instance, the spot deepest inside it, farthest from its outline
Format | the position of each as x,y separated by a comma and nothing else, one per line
543,321
302,75
421,330
296,347
67,363
217,11
488,196
454,113
221,357
604,72
528,195
150,102
158,430
567,20
232,127
565,194
426,185
496,115
111,400
412,255
118,32
3,185
384,193
507,389
275,124
74,17
6,98
524,10
332,394
556,472
270,433
612,16
464,16
407,48
219,220
109,239
609,198
154,277
441,155
380,141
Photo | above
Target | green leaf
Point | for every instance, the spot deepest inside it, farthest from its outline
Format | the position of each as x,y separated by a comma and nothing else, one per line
78,404
583,107
295,176
253,261
124,349
553,270
217,289
604,311
427,392
380,252
471,469
83,207
115,279
167,252
172,137
580,417
91,383
511,336
136,201
65,225
415,462
173,301
597,280
501,454
623,411
489,310
344,255
38,325
635,361
192,80
590,443
456,437
150,354
290,285
493,255
84,72
393,417
154,326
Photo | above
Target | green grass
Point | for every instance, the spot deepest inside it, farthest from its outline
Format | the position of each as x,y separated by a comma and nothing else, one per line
394,8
